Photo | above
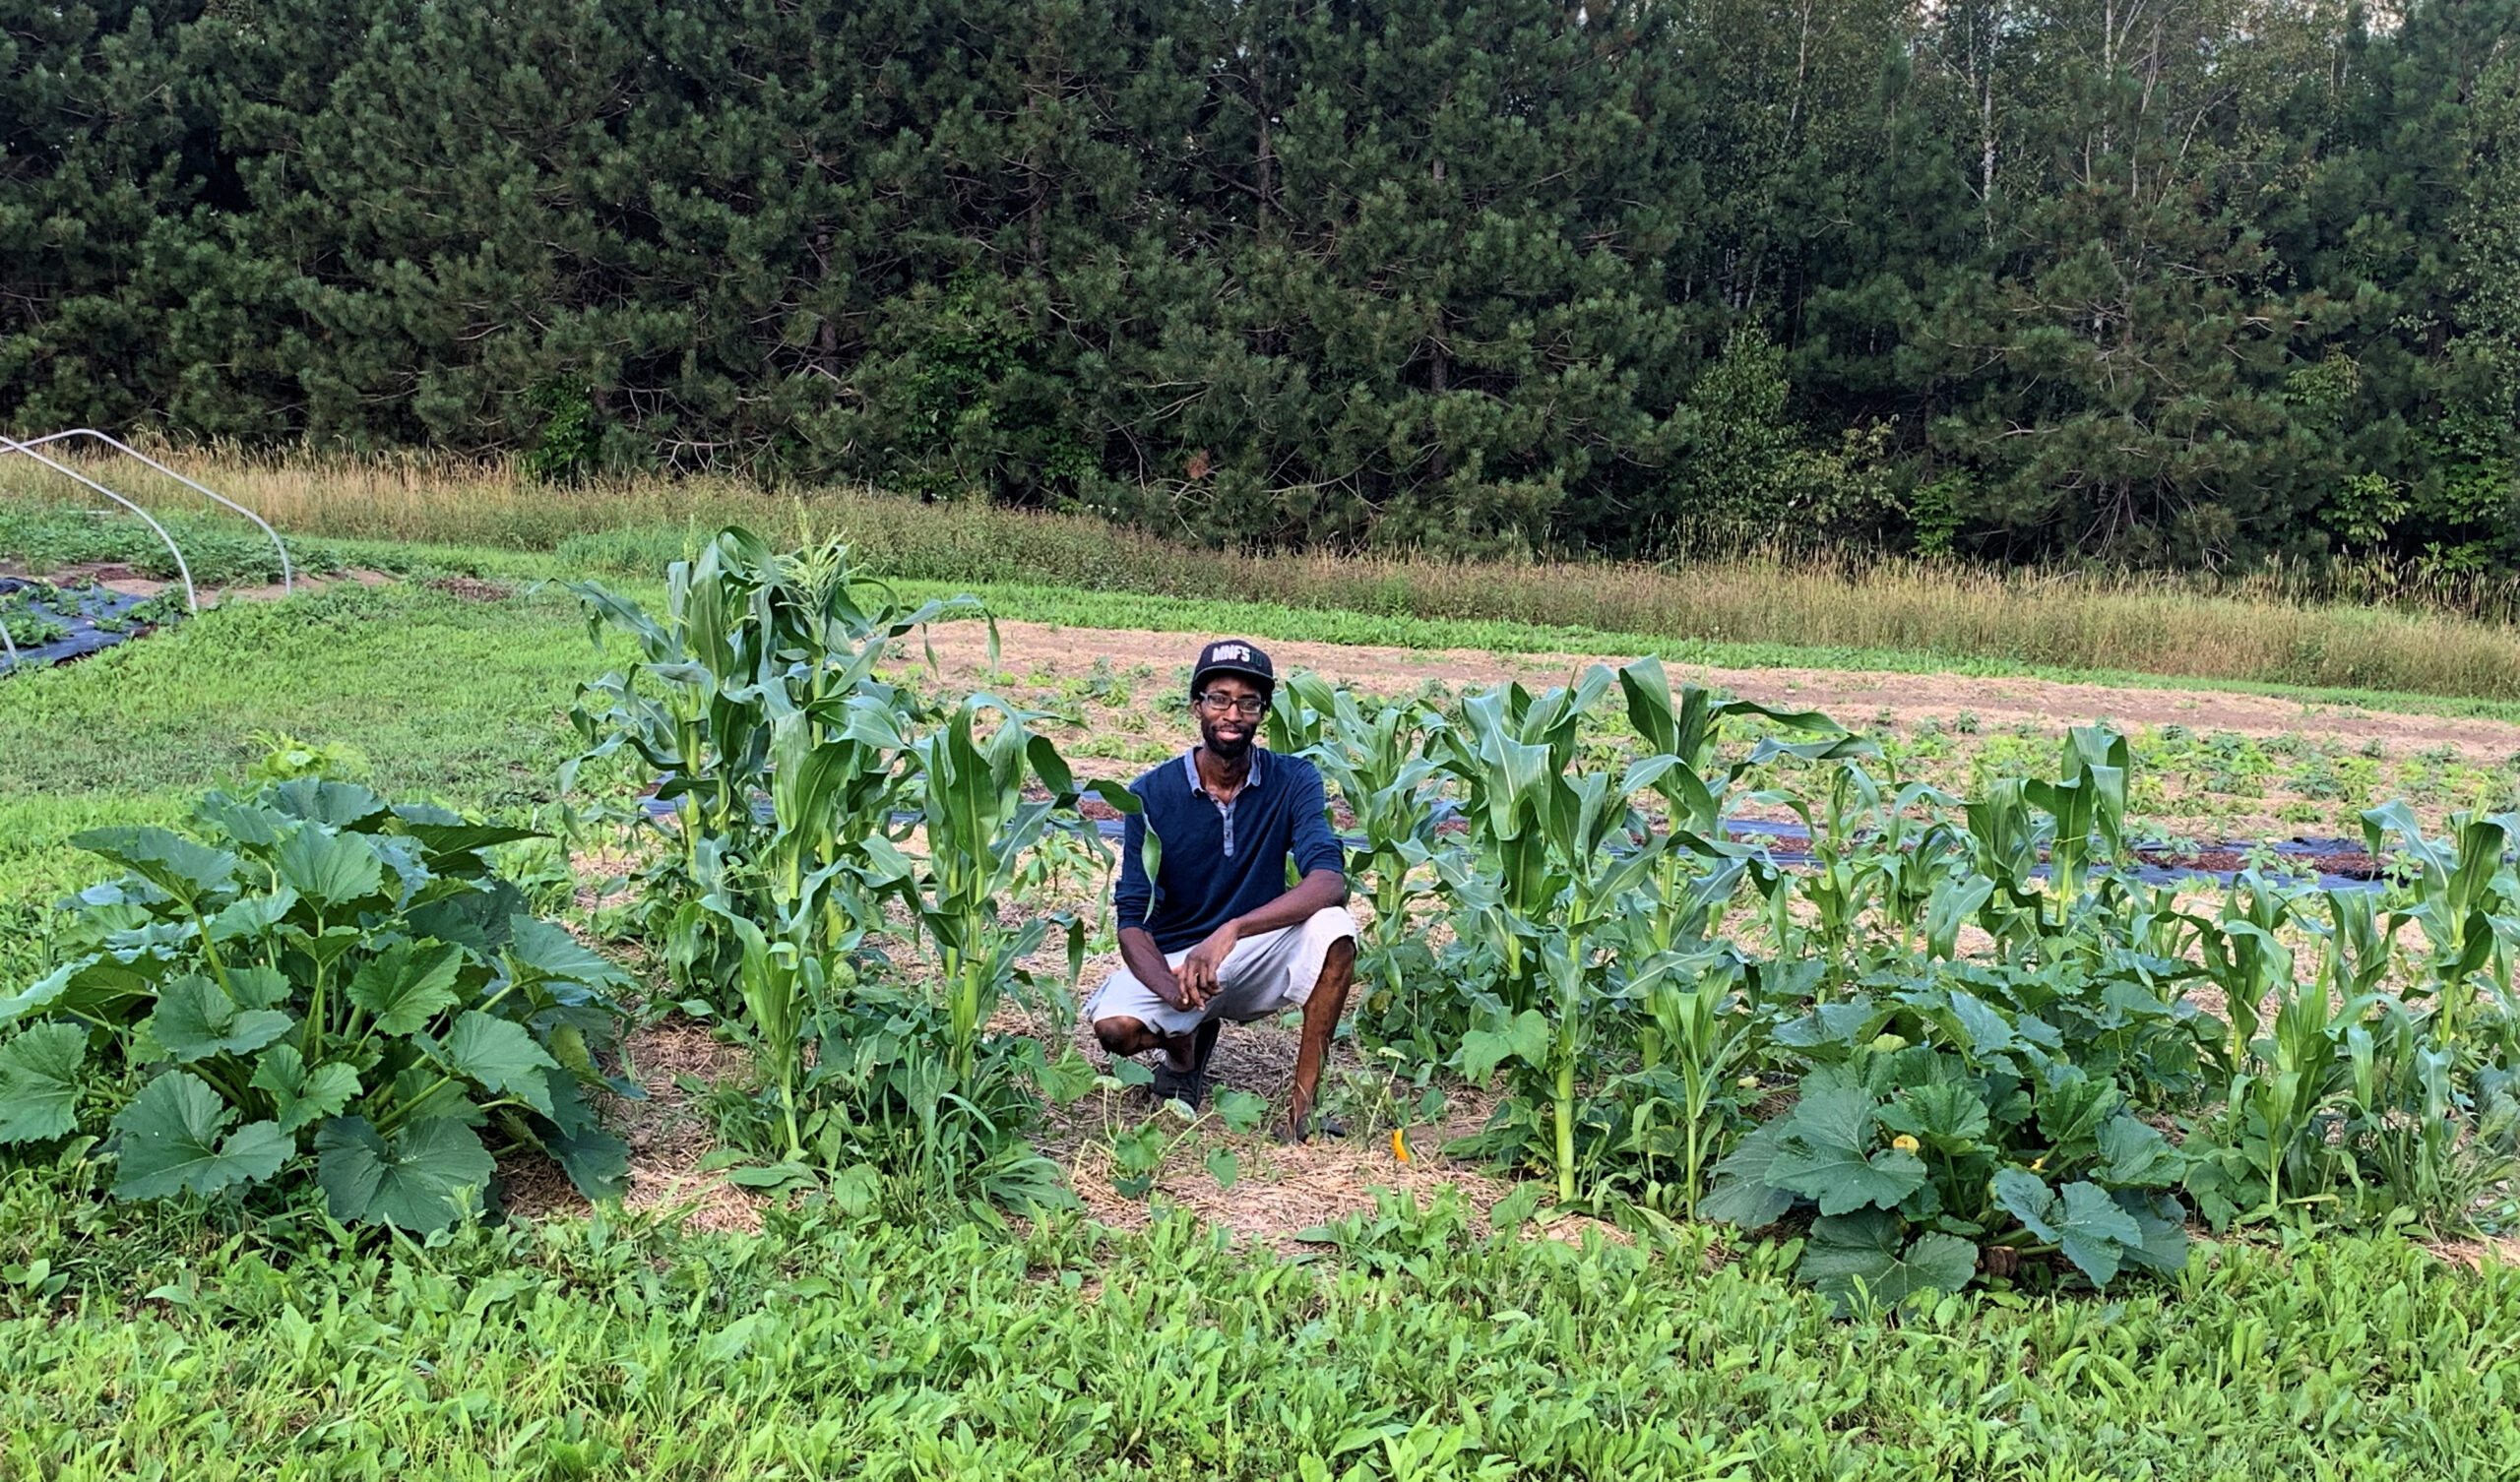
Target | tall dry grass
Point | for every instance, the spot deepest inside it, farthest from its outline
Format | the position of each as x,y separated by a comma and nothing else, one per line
2269,627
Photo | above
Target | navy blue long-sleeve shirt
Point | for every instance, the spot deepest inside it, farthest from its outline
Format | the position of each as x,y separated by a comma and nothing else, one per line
1217,863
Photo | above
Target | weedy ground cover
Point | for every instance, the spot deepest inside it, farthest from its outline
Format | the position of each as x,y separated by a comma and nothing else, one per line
1415,1344
219,551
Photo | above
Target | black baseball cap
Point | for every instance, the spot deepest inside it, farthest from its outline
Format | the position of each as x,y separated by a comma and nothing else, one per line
1232,655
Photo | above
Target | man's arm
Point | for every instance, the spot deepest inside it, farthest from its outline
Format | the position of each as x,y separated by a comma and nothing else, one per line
1318,891
1132,897
1145,961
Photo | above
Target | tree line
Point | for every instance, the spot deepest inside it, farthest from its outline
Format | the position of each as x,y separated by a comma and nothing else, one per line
2166,281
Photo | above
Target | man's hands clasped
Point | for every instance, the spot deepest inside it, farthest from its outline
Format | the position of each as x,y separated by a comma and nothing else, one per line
1195,978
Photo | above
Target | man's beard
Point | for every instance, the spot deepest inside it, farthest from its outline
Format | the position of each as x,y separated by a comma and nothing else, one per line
1233,749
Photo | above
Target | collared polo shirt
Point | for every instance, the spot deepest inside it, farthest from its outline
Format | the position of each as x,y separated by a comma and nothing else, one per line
1219,861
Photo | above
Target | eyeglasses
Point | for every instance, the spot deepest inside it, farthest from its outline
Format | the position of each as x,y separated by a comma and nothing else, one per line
1247,706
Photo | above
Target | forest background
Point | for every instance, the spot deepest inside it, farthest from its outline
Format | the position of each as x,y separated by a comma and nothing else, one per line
2195,283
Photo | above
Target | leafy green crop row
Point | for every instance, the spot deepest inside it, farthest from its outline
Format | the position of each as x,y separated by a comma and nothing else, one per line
2100,1055
758,687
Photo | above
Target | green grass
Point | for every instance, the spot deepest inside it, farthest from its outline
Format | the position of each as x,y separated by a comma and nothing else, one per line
459,701
2343,627
1421,1347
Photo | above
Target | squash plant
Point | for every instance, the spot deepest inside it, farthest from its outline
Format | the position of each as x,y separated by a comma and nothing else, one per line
1943,1127
312,982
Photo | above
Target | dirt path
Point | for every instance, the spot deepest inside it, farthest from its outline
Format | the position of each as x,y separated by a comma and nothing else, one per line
1852,697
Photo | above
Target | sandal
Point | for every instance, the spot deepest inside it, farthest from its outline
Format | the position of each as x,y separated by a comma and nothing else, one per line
1188,1086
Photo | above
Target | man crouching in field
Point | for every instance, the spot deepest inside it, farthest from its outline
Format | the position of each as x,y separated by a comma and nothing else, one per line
1217,934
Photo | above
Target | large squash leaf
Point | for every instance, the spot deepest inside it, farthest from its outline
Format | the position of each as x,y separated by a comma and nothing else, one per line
300,1097
406,985
409,1179
171,1141
195,1019
1856,1252
39,1083
1822,1156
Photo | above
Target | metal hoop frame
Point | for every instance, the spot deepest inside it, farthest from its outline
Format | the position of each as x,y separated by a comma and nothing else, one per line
192,598
287,576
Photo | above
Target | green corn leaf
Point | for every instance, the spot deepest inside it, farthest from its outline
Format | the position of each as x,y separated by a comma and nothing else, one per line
39,1083
1822,1156
1860,1250
500,1055
171,862
300,1098
406,985
790,1175
195,1019
170,1142
411,1179
329,870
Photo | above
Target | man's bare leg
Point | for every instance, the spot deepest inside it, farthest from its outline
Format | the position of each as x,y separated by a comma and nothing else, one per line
1131,1036
1320,1019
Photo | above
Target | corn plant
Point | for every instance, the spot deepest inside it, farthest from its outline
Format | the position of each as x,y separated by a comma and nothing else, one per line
1702,1024
1594,852
2271,1150
747,711
981,829
2429,1144
2245,958
1511,752
1683,732
1379,764
2464,900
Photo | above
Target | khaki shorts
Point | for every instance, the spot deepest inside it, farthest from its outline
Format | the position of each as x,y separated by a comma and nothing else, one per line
1264,974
